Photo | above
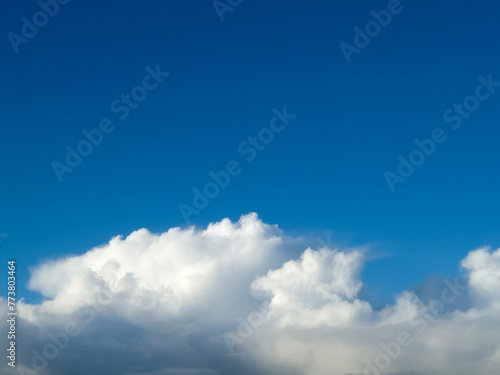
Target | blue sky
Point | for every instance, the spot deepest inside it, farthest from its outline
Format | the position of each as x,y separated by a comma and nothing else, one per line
221,109
323,174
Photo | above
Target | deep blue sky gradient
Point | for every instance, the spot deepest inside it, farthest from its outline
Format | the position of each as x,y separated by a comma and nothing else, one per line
323,173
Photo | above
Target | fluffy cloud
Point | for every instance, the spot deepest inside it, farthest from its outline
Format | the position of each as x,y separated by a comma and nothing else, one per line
484,268
318,289
236,298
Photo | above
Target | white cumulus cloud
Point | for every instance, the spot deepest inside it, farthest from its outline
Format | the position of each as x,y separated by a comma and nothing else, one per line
237,298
